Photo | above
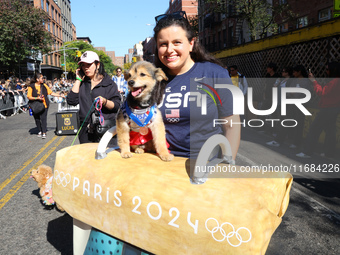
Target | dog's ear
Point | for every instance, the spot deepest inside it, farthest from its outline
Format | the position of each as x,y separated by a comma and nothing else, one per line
158,91
160,75
126,74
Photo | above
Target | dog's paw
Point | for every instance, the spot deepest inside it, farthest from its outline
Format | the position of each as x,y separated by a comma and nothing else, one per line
167,157
127,154
139,151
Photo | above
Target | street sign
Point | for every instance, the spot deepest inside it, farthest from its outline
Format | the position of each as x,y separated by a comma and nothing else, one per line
62,64
336,6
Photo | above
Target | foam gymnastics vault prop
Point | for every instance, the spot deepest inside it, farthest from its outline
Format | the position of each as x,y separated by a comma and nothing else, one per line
153,205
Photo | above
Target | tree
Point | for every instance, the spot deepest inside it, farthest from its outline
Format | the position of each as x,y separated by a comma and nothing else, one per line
260,15
72,59
22,31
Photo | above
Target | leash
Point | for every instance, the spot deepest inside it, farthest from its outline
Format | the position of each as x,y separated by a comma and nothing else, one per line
99,105
95,102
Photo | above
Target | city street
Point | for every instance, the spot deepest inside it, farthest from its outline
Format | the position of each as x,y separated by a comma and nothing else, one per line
311,225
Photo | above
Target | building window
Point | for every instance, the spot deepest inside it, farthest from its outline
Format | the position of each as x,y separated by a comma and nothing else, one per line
325,14
51,59
302,22
52,12
49,27
53,30
283,27
47,7
42,4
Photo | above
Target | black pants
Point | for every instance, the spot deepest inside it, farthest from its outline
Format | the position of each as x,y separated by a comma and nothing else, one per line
324,121
295,133
41,121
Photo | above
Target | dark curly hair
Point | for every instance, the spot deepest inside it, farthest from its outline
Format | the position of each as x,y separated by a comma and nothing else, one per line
198,53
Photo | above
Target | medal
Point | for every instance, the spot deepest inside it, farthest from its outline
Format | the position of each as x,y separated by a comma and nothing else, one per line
143,130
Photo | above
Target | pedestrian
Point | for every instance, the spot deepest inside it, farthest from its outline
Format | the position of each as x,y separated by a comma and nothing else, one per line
92,83
271,78
282,132
240,81
121,82
270,81
325,120
38,91
184,60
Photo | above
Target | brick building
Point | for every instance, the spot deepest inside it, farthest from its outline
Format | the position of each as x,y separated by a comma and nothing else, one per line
225,29
50,64
189,6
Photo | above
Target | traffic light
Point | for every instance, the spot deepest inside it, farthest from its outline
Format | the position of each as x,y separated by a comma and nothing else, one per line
78,53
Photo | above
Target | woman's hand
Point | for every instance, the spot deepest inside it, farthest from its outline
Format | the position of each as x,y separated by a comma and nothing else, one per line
103,101
80,74
311,77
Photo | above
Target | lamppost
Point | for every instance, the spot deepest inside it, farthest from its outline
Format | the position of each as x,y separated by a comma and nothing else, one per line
63,49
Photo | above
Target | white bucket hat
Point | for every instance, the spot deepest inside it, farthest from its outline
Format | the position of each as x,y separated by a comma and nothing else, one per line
88,57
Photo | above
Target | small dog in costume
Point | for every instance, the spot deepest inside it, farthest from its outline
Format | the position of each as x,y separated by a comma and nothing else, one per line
139,122
44,176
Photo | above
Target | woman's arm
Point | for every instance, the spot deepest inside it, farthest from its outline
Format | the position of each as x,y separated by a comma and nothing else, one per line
232,131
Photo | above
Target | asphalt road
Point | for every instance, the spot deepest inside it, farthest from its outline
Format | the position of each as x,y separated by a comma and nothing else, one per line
311,224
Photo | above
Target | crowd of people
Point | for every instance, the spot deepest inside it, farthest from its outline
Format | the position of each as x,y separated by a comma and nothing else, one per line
325,120
181,60
13,93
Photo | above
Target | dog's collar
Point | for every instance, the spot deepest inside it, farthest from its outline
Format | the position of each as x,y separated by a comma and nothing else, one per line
132,114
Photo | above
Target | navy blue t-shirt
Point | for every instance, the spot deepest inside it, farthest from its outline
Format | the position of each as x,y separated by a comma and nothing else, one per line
190,105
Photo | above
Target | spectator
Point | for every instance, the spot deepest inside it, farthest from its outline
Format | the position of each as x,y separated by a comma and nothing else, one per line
325,120
92,83
282,133
39,91
270,79
120,81
240,81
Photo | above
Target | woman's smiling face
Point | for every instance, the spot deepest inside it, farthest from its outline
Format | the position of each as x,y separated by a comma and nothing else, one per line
174,49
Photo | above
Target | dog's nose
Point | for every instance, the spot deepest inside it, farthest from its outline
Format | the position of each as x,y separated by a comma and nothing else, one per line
131,82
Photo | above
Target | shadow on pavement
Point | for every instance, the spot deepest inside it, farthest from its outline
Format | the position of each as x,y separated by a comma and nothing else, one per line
60,234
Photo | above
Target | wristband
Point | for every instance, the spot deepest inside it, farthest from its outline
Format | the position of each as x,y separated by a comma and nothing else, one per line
79,79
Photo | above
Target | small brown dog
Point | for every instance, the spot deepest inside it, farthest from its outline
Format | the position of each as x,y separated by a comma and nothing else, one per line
44,176
139,122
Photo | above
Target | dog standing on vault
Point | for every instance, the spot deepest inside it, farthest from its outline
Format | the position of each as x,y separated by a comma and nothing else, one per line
139,122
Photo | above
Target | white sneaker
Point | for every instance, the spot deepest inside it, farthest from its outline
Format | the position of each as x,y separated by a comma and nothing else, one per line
302,155
292,146
273,143
44,136
39,134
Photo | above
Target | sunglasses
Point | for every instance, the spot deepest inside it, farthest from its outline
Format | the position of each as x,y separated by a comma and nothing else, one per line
176,15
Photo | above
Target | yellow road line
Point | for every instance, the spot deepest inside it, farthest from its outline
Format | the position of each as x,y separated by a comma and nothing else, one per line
15,174
18,185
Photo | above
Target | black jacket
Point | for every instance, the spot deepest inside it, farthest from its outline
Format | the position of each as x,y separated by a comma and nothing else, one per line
85,98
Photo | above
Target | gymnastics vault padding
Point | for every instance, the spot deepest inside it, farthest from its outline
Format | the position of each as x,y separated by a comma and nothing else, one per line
152,204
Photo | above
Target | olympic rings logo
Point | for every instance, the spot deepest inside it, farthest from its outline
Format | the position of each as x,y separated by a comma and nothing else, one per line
62,178
173,120
229,235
